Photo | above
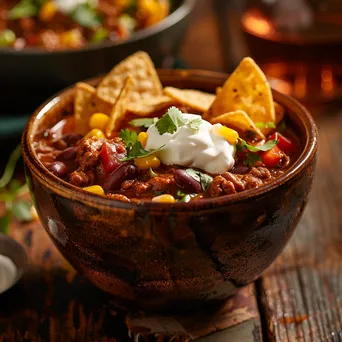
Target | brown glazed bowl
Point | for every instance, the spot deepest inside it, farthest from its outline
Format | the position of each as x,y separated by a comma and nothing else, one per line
171,256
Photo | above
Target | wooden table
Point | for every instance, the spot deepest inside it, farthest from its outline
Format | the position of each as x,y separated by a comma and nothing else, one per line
299,298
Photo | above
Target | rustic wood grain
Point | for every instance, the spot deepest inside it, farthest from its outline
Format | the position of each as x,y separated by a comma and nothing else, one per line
302,290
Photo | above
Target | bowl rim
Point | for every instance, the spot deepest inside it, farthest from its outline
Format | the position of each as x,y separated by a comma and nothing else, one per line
180,13
68,190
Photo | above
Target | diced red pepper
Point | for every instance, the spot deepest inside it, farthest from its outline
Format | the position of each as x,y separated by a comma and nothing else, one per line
284,143
272,157
109,158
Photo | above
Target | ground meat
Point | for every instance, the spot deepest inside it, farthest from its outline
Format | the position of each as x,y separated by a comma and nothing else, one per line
260,172
251,182
79,178
238,184
141,187
88,151
161,184
221,186
119,197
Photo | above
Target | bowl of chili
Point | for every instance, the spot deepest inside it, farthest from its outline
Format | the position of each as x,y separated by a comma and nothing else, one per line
176,255
38,56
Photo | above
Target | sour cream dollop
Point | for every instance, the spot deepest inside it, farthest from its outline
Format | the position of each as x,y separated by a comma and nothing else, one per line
206,149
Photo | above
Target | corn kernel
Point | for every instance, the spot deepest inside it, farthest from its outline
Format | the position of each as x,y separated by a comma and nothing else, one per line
47,11
95,189
72,38
164,199
99,121
142,137
145,163
229,134
95,133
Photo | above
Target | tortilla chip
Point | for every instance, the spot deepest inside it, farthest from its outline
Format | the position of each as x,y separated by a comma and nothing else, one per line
248,90
83,106
119,109
140,68
195,99
239,121
86,104
149,106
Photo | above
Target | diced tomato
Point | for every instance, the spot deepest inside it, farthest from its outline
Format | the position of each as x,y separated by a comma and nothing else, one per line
272,157
284,143
109,158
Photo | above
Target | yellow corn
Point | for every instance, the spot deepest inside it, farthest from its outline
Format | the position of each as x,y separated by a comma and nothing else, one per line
95,133
72,38
95,189
229,134
47,11
164,199
142,137
99,121
145,163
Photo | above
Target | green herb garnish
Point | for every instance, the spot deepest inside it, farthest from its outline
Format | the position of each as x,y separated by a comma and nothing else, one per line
183,197
134,148
173,119
152,173
204,179
25,8
265,125
99,36
143,122
10,190
86,16
252,157
195,124
242,146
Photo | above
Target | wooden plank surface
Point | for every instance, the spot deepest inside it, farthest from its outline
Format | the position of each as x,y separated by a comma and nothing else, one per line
302,290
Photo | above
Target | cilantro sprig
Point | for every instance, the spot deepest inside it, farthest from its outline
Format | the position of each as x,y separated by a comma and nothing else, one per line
262,125
252,155
10,192
204,179
173,120
134,148
142,122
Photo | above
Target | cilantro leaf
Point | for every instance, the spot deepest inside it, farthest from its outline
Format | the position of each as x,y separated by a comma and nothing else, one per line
195,124
25,8
22,211
251,158
86,16
265,125
10,167
152,173
99,36
4,223
242,146
170,122
183,197
129,137
143,122
204,179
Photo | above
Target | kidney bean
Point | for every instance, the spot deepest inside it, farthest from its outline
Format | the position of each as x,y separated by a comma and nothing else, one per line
115,179
71,138
58,168
241,170
186,182
68,154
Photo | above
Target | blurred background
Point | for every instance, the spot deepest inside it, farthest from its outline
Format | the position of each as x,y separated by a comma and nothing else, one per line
298,44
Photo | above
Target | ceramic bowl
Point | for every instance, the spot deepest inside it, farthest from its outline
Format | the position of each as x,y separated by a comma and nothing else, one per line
162,256
33,74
